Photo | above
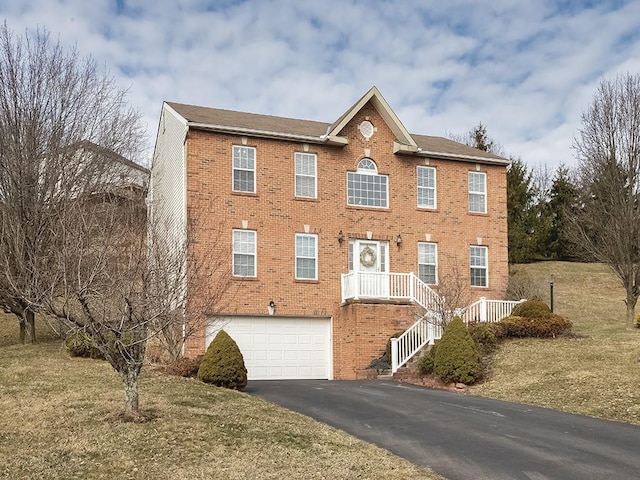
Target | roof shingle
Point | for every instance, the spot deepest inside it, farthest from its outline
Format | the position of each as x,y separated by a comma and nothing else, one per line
207,117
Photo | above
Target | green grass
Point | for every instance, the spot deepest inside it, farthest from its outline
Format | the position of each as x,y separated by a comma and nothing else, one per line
596,373
60,420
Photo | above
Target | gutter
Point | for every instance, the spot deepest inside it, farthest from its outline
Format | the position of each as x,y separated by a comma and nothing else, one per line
323,139
411,150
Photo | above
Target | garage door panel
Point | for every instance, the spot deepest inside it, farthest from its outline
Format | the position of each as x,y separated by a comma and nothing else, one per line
280,347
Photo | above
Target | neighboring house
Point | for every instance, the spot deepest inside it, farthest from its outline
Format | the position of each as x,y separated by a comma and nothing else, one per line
323,225
110,168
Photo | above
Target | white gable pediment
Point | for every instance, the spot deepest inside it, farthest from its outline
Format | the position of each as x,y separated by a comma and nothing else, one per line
380,104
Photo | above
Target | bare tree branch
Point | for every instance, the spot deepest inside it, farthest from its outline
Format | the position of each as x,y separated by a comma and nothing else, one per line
606,226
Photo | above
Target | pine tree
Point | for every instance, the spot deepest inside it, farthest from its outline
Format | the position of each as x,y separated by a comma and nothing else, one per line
525,223
563,199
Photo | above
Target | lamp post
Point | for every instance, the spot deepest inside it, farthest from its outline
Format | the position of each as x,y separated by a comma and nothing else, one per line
551,293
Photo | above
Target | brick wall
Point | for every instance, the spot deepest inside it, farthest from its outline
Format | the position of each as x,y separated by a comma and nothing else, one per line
276,215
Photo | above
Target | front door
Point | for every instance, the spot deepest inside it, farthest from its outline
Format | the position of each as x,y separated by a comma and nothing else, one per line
370,259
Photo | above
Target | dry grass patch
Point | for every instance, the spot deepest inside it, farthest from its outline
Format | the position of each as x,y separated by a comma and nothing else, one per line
596,373
59,420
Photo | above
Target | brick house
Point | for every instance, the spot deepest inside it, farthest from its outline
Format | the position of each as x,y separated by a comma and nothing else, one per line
331,229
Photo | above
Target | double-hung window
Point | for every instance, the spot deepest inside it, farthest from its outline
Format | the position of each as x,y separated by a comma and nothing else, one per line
479,266
365,188
426,187
428,262
478,192
244,169
305,167
306,256
244,253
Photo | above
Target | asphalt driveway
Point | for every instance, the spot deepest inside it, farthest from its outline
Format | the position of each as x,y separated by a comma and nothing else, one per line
462,436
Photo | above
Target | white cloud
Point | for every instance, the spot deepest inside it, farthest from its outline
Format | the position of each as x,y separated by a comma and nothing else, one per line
525,69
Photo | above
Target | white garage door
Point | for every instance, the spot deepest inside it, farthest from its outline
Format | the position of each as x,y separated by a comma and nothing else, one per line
280,347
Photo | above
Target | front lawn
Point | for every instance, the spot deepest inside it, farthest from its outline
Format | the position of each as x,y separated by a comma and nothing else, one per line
60,420
596,373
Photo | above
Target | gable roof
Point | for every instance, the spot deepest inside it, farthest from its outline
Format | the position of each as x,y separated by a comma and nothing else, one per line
377,100
252,124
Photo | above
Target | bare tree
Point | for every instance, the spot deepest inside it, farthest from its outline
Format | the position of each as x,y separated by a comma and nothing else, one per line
606,226
51,103
98,279
116,279
453,288
190,287
453,293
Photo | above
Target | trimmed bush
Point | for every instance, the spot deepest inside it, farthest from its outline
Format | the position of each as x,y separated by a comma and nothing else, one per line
80,344
223,364
485,335
532,309
457,359
533,319
542,327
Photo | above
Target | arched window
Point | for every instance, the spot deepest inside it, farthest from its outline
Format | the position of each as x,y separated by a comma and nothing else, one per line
367,165
365,187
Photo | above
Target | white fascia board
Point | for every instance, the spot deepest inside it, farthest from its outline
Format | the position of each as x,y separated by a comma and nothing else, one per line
179,117
406,150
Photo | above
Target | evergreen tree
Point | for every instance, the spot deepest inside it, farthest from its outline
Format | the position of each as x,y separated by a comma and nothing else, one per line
563,200
477,138
524,222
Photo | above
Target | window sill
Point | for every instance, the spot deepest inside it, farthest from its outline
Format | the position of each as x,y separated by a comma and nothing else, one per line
302,280
478,214
244,279
428,209
307,199
244,194
369,209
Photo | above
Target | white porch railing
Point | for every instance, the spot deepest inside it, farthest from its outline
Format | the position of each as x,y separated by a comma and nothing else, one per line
428,329
488,310
400,286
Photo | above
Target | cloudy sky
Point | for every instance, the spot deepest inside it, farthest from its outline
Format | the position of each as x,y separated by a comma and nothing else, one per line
524,68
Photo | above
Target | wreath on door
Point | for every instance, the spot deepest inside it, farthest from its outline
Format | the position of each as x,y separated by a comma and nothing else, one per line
368,257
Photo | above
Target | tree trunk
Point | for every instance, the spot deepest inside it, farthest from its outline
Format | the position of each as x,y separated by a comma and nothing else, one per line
23,330
631,301
130,380
31,323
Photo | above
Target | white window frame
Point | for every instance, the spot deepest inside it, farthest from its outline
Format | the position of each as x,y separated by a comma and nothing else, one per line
477,194
434,264
299,256
366,169
302,156
427,188
248,253
238,168
476,266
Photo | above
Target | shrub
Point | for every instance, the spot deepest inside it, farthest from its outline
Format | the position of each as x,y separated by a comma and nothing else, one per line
388,349
485,335
532,309
380,363
223,364
522,285
541,327
425,365
184,367
80,344
456,359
